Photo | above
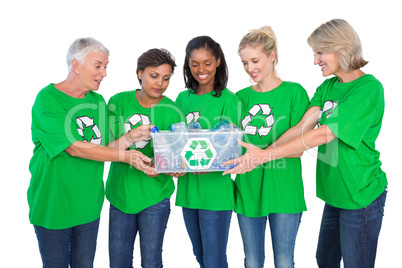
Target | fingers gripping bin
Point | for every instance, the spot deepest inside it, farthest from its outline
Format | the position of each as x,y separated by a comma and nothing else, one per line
195,151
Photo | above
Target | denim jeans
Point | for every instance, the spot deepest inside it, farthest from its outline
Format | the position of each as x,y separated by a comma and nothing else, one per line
351,235
73,246
150,223
208,231
284,229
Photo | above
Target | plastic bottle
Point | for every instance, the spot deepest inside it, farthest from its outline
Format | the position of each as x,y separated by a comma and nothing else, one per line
194,127
178,127
223,125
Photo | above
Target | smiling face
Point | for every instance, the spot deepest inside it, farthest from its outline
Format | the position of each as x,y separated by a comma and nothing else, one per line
256,63
203,66
155,81
92,71
328,63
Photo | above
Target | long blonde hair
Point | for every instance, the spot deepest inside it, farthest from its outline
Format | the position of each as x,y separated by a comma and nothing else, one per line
339,36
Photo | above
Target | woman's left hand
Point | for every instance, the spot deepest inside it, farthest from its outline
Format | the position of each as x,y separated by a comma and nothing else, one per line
176,174
250,160
151,164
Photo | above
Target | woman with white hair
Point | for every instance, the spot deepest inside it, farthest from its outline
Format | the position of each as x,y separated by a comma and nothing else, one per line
348,109
70,131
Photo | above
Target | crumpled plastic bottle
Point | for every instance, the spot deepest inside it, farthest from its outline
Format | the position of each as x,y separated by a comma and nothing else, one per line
223,125
194,127
227,145
178,127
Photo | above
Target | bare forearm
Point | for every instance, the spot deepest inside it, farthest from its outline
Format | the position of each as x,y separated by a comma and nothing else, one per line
304,142
96,152
254,156
140,133
306,124
290,134
122,143
100,153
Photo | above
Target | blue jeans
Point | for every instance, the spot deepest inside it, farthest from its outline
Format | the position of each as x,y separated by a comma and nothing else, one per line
73,246
150,223
284,229
351,235
208,231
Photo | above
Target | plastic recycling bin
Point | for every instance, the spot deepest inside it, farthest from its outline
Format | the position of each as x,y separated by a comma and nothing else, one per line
195,151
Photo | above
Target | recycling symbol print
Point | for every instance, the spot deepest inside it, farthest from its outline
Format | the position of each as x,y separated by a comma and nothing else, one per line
132,123
329,106
265,128
198,153
88,129
193,116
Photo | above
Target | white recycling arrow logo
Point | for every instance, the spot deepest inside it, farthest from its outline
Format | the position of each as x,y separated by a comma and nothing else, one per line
269,120
132,122
328,106
198,153
87,122
193,116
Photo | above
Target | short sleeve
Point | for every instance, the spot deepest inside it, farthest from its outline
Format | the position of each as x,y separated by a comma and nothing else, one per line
170,111
300,102
52,127
232,109
178,99
116,122
350,120
317,99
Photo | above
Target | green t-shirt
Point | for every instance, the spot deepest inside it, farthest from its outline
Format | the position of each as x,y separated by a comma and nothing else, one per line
276,186
65,191
127,188
210,191
349,174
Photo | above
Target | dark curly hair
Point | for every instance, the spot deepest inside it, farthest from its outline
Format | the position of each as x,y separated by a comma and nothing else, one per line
155,57
221,77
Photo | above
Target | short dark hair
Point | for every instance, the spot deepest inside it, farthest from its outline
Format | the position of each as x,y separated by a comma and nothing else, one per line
153,58
221,77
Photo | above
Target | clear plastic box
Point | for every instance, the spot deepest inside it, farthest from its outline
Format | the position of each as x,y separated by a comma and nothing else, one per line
195,151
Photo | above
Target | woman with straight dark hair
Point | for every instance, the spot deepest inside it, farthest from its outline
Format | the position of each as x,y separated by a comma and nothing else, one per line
207,198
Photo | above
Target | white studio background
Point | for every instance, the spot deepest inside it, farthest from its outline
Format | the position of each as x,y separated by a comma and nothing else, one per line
35,36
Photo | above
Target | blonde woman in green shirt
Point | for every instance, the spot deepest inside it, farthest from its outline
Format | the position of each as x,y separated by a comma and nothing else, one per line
272,192
348,109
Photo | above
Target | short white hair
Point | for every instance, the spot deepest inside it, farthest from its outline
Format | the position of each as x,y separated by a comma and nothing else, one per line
80,48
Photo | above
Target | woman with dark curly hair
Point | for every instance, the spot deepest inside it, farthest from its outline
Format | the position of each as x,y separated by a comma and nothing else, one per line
140,201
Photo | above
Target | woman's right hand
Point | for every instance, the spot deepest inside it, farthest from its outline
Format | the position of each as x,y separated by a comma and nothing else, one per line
140,133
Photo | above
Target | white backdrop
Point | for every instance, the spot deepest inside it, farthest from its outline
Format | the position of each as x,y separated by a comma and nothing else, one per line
35,36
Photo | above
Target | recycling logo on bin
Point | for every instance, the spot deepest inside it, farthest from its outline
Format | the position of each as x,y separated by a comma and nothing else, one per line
198,153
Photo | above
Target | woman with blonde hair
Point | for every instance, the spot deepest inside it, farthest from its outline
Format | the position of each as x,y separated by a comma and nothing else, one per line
272,191
348,109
